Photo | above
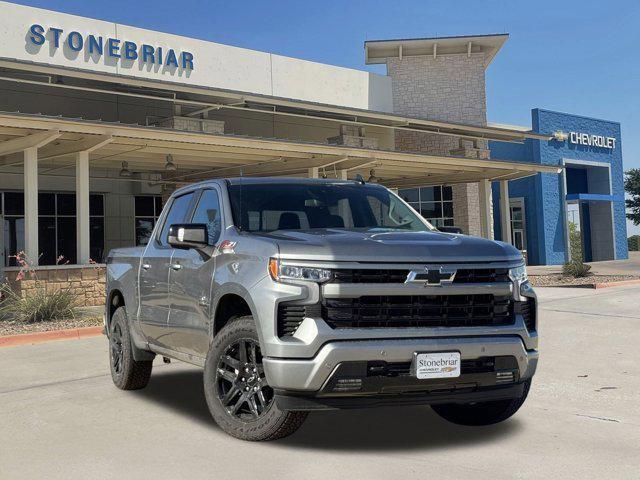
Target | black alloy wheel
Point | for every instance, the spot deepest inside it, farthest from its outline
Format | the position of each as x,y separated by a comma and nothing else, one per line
117,354
242,386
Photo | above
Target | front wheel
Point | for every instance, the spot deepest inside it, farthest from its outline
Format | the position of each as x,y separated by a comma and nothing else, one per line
238,395
482,413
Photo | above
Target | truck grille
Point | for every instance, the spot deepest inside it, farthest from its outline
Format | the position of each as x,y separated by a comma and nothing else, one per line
418,311
463,275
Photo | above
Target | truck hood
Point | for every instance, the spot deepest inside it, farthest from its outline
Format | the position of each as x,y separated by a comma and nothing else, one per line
389,246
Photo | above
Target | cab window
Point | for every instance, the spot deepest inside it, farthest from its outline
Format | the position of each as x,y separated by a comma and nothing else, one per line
178,212
208,212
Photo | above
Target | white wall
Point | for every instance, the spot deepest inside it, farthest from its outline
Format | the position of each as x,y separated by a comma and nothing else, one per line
215,65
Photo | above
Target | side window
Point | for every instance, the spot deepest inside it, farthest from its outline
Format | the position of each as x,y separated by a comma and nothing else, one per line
208,212
177,214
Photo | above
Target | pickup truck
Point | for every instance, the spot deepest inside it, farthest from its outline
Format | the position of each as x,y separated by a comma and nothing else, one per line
297,295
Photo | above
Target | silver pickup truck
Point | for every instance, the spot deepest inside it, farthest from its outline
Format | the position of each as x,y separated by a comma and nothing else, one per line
300,294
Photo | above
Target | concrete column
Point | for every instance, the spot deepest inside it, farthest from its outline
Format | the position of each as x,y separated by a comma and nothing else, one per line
505,211
343,174
486,216
31,205
314,172
82,208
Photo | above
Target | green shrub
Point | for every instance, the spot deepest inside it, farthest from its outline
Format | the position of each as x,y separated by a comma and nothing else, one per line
38,306
576,269
634,243
575,242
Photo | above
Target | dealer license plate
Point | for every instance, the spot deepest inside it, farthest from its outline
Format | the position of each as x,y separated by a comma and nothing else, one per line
436,365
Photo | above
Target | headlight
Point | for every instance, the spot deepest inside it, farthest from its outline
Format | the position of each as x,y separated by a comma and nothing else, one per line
281,272
518,274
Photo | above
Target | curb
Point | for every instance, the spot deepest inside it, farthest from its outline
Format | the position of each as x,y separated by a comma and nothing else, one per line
615,284
595,286
41,337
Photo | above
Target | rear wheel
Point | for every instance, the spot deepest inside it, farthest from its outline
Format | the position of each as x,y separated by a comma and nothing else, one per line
126,372
482,413
238,395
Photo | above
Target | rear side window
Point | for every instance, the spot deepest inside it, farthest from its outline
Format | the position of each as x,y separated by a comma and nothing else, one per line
208,212
177,214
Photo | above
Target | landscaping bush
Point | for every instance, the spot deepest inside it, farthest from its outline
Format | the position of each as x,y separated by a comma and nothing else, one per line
634,243
576,269
38,306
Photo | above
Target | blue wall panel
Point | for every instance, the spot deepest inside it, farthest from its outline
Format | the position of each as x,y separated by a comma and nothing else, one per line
544,202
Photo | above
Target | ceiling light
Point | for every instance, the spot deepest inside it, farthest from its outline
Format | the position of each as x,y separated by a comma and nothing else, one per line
124,171
170,166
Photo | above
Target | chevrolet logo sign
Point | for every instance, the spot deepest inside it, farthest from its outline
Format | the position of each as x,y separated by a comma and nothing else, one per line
432,276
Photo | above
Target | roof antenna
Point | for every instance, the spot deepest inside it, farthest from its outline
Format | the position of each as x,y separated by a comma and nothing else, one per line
359,179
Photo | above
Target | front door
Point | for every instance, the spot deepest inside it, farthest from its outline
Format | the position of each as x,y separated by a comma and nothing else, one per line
154,273
190,282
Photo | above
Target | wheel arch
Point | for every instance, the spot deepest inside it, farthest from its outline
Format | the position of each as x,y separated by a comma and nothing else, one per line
231,301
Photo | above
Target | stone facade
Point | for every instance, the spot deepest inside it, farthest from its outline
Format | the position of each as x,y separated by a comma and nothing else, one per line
87,283
448,88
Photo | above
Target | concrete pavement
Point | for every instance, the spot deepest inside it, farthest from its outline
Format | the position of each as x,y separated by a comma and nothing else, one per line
60,416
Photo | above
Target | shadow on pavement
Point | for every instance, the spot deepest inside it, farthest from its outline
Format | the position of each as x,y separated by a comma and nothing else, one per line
384,429
180,391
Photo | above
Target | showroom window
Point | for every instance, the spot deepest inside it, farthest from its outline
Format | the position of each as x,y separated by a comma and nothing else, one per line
56,227
433,203
147,211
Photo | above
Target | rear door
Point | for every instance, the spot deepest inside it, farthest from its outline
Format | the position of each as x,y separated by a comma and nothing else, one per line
154,272
190,281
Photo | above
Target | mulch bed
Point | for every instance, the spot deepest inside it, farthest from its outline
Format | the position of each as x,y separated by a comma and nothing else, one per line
15,328
562,281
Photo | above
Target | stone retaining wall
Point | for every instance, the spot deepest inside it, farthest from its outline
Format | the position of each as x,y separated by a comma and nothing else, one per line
88,283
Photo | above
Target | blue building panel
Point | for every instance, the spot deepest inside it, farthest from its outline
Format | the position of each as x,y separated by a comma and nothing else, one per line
593,146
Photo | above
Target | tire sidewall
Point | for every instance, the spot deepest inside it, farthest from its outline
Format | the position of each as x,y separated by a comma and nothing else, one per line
120,318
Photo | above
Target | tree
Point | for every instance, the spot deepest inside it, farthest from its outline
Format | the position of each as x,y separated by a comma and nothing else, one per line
632,187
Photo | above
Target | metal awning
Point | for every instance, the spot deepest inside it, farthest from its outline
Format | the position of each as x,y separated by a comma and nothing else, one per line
201,155
197,99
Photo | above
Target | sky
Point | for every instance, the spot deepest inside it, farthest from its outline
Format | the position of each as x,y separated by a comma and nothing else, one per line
574,56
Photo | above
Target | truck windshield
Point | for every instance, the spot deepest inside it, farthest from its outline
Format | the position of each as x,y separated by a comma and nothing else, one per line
286,206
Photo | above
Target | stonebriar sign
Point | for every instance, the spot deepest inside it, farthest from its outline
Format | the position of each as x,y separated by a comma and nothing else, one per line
115,48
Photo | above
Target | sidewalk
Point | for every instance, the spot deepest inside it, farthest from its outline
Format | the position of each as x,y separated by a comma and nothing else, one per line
611,267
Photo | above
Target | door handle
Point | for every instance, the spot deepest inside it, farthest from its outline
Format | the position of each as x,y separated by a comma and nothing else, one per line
176,266
146,266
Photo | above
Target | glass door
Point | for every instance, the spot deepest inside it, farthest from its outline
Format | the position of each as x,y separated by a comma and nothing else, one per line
518,225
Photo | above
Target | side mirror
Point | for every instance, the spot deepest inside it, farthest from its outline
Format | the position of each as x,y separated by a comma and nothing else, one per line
450,230
188,235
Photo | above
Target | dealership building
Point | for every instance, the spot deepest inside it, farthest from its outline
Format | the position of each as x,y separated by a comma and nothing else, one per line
100,122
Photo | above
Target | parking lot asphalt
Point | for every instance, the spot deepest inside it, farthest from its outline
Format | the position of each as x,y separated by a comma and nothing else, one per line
61,417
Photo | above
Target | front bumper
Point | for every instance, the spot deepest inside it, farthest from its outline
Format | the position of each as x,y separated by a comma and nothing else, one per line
312,375
300,402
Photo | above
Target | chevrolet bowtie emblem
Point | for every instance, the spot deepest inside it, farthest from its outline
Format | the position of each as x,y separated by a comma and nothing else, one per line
432,276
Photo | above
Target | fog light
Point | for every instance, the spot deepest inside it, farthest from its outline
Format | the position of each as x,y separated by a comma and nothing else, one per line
348,385
505,377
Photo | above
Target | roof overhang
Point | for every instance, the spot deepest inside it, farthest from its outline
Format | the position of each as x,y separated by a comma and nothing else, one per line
200,155
199,98
377,51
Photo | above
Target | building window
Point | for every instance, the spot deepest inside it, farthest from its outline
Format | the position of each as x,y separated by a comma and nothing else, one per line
434,203
56,227
147,210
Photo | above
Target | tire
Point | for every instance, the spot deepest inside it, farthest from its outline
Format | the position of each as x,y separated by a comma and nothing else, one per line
241,401
482,413
126,372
